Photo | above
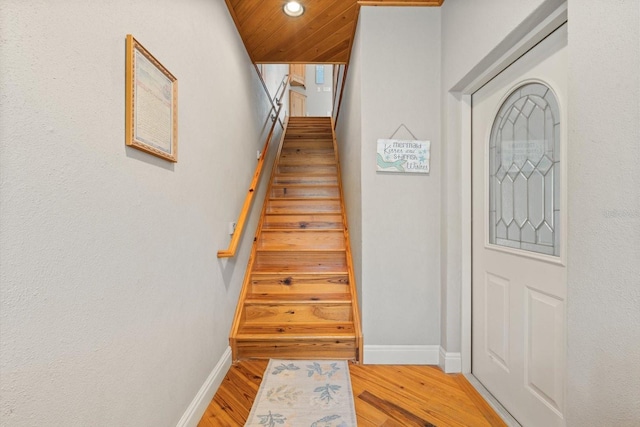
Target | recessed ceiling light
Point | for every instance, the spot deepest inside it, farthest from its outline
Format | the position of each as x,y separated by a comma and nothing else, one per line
293,8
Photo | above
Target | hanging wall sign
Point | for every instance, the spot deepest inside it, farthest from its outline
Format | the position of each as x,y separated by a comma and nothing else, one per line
399,155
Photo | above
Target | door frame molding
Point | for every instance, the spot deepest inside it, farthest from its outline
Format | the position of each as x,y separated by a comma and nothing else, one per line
550,15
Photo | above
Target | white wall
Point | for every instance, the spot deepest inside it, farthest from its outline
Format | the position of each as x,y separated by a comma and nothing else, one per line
273,74
349,140
604,212
114,307
319,96
399,73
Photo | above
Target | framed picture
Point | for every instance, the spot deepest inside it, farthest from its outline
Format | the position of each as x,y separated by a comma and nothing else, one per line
151,104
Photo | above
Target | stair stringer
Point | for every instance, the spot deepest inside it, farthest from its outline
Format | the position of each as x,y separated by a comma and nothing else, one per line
246,284
352,279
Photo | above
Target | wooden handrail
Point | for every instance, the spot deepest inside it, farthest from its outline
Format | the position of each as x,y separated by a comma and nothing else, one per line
244,213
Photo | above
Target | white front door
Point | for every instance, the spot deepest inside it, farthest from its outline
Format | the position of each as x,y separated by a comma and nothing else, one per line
519,220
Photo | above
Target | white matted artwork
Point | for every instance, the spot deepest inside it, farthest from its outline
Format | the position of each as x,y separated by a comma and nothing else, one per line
405,156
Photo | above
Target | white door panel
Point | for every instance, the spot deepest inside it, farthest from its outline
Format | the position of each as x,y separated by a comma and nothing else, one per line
519,224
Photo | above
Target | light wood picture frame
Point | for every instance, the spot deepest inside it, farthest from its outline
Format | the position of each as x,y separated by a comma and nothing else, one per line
151,103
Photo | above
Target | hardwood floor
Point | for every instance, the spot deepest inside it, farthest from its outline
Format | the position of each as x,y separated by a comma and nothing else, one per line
387,396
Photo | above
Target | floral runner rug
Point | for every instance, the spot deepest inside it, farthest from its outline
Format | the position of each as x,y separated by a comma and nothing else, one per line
304,393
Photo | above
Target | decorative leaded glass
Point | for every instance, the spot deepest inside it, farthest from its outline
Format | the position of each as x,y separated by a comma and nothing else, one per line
524,172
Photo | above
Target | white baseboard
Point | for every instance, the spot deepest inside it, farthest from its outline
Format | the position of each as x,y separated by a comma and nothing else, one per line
450,363
199,404
401,354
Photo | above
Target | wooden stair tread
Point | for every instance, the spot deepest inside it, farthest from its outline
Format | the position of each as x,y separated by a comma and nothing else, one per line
307,275
292,169
304,240
315,221
303,186
267,331
298,349
297,271
304,144
306,177
296,312
303,206
313,214
304,199
267,230
299,194
298,297
291,179
289,192
301,230
287,232
282,213
310,137
297,249
308,151
300,161
286,280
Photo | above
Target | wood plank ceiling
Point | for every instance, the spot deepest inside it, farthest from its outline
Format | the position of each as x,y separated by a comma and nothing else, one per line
323,34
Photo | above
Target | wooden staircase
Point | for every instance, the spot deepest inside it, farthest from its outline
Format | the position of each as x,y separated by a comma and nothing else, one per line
298,299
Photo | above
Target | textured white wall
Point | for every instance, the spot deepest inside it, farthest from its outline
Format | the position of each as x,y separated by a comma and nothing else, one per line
604,214
272,78
319,103
114,307
349,136
400,78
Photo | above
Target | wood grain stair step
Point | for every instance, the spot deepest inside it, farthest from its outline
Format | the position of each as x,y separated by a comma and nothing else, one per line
308,151
300,261
297,122
301,239
296,312
308,132
307,144
317,221
299,283
304,206
294,128
297,298
266,331
302,169
310,119
302,160
317,179
302,191
304,347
